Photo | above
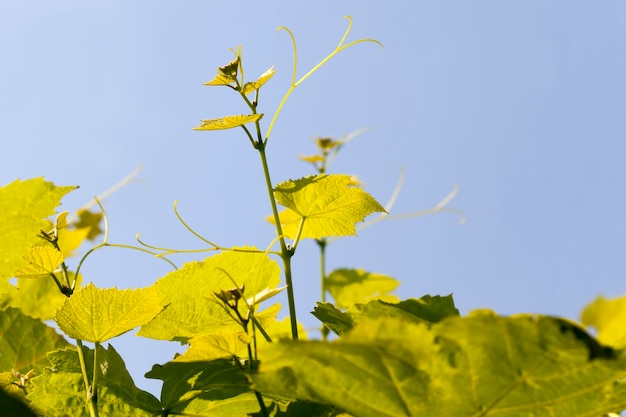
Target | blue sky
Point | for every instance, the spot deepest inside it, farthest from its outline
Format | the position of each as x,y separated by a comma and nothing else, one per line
519,103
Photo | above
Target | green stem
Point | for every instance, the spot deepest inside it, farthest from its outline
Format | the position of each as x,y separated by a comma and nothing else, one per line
90,399
285,252
322,244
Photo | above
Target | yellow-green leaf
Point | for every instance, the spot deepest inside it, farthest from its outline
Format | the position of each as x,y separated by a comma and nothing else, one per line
215,346
253,86
190,293
24,205
97,315
608,318
42,262
39,298
329,205
228,122
350,286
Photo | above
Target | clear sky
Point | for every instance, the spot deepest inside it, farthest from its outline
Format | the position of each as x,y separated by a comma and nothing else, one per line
522,104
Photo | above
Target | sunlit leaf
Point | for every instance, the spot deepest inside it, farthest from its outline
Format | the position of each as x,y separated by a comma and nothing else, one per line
482,365
215,346
42,262
608,318
194,309
350,286
24,205
210,388
97,315
60,391
39,298
327,203
253,86
228,122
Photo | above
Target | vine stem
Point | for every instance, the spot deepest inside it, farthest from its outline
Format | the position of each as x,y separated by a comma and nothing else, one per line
285,252
90,398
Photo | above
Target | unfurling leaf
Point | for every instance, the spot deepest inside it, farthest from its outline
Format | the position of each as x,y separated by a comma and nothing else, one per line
226,75
253,86
328,204
228,122
97,315
42,262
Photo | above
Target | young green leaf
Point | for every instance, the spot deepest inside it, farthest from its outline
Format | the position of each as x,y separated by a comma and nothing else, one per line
608,318
24,205
215,388
228,122
97,315
253,86
333,318
350,286
194,309
60,391
328,204
42,262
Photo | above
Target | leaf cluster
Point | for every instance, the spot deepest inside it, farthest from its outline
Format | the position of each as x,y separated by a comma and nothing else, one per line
378,355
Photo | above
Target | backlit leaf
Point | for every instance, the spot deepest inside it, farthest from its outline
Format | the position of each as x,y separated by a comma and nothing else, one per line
482,365
24,205
253,86
97,315
215,346
39,298
608,318
194,309
42,262
12,407
327,203
228,122
350,286
60,391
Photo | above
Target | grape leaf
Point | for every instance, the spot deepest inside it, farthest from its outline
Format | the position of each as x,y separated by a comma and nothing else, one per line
349,286
194,309
25,341
427,309
42,262
38,298
97,315
327,203
228,122
211,346
23,207
608,318
482,365
253,86
61,390
216,388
